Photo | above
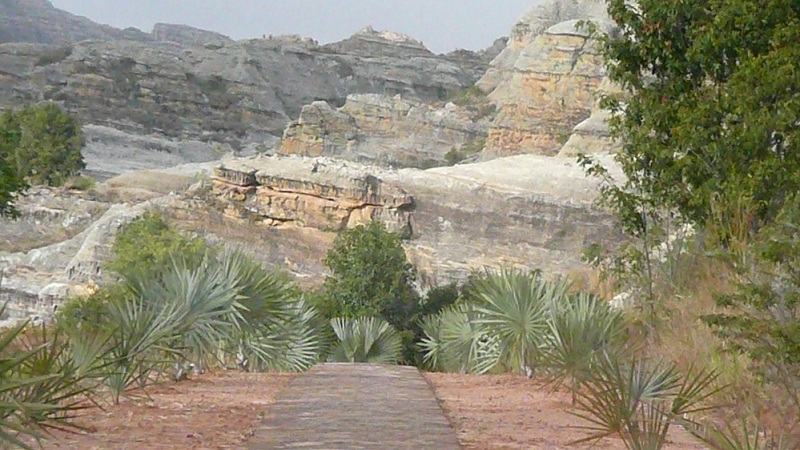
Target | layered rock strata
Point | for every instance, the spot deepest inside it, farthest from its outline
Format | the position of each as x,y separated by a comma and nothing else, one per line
384,130
528,211
231,92
320,193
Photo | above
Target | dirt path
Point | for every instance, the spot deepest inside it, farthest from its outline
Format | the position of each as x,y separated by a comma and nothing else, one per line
346,406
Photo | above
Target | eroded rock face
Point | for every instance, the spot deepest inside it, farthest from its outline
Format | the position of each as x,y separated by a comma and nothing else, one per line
477,63
529,211
553,88
38,21
534,23
319,193
383,130
546,81
234,94
189,36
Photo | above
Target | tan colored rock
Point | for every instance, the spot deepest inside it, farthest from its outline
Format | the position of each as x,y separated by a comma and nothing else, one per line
552,89
592,136
534,23
316,193
384,130
528,211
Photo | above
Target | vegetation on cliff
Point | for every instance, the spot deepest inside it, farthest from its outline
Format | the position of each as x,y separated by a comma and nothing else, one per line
708,124
39,145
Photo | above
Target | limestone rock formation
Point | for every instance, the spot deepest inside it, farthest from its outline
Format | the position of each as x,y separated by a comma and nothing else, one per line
530,211
384,130
299,192
36,281
546,81
237,94
535,22
477,63
110,152
189,36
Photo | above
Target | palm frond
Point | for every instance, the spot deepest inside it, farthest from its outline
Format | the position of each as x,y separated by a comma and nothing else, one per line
514,306
366,340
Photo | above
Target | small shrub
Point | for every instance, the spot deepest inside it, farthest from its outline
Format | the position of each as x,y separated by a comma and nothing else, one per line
82,183
54,56
42,144
149,243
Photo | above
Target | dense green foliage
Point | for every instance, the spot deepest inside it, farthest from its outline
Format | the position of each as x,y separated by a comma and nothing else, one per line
150,243
370,276
708,124
712,99
11,186
42,144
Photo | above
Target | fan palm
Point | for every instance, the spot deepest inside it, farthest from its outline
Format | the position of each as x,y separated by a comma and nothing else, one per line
366,340
639,401
456,341
39,385
514,306
581,329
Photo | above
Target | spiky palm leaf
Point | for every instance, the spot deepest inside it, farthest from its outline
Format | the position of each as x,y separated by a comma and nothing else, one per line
274,330
581,330
292,345
639,401
366,340
141,344
455,341
39,386
514,306
745,438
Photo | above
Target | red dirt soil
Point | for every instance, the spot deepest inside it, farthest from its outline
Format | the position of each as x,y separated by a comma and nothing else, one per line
212,411
512,412
221,410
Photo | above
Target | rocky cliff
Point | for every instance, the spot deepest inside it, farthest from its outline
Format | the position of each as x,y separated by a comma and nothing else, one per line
237,93
546,81
189,36
528,210
392,131
299,192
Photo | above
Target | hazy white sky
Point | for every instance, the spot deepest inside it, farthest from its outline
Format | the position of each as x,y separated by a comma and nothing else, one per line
442,25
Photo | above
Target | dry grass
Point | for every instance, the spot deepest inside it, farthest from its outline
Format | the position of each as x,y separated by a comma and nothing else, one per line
684,338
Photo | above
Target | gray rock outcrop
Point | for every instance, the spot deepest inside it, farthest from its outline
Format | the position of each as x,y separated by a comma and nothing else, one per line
236,94
38,21
189,36
391,131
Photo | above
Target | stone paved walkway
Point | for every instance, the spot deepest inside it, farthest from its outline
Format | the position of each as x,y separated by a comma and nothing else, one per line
350,406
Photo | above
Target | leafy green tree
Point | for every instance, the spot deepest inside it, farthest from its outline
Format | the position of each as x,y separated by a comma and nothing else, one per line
12,183
711,107
149,244
42,143
370,276
762,313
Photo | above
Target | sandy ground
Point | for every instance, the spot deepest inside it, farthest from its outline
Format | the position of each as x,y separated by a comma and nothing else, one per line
213,411
511,412
221,411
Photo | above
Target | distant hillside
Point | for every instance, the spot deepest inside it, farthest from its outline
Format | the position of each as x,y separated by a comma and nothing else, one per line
38,21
